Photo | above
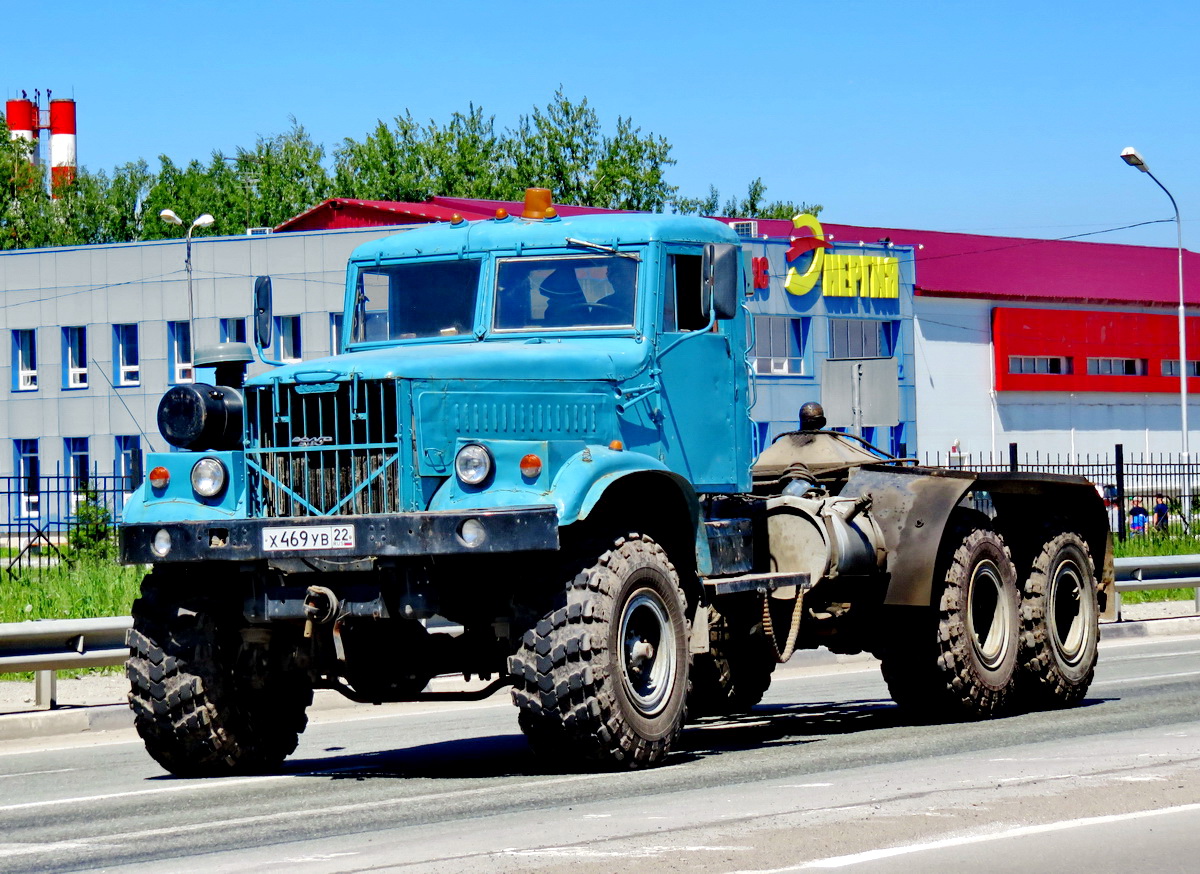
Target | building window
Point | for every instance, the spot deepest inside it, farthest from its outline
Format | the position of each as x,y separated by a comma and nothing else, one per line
25,463
75,454
24,353
179,351
287,332
1116,366
125,354
863,338
335,333
233,330
779,344
128,456
74,345
1170,367
1038,364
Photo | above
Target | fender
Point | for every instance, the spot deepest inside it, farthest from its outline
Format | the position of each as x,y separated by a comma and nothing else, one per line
576,488
912,507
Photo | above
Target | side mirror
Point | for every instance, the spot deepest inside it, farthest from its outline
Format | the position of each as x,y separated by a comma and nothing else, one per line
262,312
721,278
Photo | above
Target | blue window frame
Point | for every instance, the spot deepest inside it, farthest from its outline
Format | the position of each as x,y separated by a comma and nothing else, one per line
179,352
27,466
74,357
24,360
125,355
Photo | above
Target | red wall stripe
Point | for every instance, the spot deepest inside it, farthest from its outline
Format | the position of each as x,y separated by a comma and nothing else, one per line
1078,335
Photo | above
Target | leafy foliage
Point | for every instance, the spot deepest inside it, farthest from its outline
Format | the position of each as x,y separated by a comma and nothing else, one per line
563,146
92,537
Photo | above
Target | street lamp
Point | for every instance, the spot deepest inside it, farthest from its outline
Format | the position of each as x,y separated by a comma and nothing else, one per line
204,221
1131,157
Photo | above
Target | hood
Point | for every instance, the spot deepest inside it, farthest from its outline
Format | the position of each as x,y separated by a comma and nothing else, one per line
567,359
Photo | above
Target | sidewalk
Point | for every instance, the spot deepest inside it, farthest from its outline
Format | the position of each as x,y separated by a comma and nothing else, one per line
96,702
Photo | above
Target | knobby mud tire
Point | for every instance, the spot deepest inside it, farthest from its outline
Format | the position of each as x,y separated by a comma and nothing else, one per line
960,661
196,715
585,689
736,671
1060,624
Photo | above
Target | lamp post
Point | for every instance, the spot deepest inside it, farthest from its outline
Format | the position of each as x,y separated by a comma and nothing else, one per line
1131,157
203,221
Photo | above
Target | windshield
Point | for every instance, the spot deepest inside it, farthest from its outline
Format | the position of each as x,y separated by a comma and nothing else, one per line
564,293
423,299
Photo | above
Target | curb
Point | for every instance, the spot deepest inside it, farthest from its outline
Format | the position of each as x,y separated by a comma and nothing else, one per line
117,717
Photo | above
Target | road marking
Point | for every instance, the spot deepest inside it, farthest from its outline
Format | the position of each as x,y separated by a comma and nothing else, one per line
1152,655
1128,680
314,814
158,790
947,843
578,852
33,773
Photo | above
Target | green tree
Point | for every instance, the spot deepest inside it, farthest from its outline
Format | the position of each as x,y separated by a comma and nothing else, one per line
753,205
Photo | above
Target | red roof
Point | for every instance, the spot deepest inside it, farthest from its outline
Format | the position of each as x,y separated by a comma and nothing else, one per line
1014,268
947,264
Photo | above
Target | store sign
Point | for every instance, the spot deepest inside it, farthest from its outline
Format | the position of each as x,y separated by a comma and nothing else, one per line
840,275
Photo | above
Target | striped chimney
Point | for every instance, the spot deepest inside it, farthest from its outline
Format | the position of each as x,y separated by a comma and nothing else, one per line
22,117
62,142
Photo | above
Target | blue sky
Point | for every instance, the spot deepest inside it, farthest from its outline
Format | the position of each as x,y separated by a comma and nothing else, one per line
1004,118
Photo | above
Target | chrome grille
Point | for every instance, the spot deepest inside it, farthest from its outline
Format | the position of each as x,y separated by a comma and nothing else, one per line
330,449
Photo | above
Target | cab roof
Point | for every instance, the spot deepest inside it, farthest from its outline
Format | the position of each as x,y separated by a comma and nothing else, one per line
515,233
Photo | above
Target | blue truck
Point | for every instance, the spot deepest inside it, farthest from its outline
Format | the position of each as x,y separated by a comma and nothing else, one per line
532,462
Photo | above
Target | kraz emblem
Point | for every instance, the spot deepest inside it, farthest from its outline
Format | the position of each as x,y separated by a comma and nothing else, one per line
311,441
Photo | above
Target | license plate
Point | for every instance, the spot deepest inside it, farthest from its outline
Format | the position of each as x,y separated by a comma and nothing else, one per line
308,537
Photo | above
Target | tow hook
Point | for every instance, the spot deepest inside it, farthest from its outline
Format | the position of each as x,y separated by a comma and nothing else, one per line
320,606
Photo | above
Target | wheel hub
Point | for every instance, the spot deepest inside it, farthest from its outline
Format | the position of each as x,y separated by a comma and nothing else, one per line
647,652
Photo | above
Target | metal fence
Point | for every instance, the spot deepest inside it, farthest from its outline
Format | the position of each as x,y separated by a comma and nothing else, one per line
45,516
1126,481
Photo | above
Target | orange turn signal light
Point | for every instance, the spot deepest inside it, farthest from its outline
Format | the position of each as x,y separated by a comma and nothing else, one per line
501,214
160,478
616,446
537,201
531,466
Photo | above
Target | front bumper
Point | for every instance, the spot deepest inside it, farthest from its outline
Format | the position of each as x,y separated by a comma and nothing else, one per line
526,529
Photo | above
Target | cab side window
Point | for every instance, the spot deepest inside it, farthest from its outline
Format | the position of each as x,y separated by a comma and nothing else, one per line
683,308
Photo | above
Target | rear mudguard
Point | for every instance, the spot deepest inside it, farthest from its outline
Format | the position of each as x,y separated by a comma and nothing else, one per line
912,506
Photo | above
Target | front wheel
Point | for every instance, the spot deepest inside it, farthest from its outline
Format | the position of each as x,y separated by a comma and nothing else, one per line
605,677
206,703
1061,624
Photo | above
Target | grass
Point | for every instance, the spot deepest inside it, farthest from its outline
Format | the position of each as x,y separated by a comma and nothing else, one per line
1154,543
85,590
81,591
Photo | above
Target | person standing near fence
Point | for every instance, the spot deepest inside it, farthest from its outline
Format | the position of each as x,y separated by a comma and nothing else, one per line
1161,511
1137,517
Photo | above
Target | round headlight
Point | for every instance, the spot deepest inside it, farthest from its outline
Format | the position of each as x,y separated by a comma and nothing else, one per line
208,477
162,542
473,464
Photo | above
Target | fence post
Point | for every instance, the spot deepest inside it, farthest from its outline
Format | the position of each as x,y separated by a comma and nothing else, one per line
1120,456
1012,457
45,695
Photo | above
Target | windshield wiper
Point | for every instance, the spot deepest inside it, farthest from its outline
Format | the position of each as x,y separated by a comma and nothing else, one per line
599,247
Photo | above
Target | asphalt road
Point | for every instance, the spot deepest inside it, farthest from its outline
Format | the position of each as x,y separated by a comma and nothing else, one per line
822,775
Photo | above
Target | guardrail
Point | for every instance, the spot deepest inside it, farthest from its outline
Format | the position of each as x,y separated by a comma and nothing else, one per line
48,645
1157,572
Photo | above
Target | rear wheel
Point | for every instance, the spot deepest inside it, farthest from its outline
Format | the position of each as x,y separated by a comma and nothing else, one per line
736,671
962,660
210,698
1060,624
605,676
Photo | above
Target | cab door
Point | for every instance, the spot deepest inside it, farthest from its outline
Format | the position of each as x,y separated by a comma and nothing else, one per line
704,427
